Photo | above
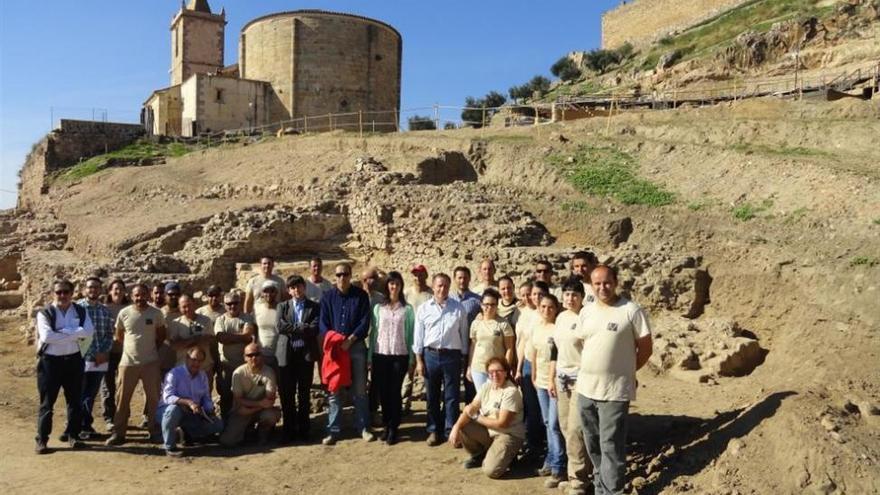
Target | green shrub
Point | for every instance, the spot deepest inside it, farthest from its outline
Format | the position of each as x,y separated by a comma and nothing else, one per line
864,261
748,211
565,69
421,123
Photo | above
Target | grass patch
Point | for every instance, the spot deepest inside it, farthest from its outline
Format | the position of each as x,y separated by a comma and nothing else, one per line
864,261
748,211
876,221
577,206
609,172
136,151
794,151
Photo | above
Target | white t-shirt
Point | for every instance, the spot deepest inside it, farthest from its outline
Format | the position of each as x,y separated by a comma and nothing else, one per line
569,343
509,398
608,361
314,291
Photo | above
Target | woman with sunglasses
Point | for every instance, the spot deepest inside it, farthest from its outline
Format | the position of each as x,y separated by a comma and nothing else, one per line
491,336
491,428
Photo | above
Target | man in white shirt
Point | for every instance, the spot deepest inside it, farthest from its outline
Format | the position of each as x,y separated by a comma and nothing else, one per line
440,343
60,328
254,288
316,284
617,342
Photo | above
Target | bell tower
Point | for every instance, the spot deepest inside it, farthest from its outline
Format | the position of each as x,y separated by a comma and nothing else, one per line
197,38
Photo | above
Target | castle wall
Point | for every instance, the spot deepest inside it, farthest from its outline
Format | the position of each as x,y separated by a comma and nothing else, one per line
642,21
320,63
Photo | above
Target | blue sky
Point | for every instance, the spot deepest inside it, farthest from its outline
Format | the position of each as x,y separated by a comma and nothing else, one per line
63,58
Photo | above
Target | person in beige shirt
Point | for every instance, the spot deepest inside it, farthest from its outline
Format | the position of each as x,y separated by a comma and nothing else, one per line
508,305
233,331
487,277
254,390
617,343
254,287
540,350
316,284
490,336
491,427
192,329
536,435
140,328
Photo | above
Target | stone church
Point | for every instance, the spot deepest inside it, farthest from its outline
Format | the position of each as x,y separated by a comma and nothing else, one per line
291,66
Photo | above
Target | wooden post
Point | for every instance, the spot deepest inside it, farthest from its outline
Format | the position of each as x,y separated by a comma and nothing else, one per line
537,116
483,119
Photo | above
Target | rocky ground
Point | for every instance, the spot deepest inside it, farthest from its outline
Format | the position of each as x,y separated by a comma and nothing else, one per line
764,378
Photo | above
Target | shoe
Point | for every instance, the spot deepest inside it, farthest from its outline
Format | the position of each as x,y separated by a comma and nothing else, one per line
76,444
87,434
174,452
329,440
114,440
145,423
263,436
563,485
553,481
544,471
434,440
474,462
64,437
367,436
108,425
156,438
391,437
384,435
40,448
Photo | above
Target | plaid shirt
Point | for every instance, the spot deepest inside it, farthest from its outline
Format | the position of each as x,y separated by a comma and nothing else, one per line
103,337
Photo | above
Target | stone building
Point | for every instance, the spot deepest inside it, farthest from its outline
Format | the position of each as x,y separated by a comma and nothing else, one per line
292,65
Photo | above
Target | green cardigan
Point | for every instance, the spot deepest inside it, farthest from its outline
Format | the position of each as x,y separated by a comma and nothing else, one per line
409,325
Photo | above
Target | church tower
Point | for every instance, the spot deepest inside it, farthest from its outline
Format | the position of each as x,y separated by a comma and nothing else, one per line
197,38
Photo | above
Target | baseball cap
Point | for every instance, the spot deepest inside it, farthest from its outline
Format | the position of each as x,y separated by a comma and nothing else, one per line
419,268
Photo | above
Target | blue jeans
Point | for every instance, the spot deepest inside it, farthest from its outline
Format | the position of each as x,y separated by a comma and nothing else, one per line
556,458
174,416
443,379
535,434
358,353
480,378
91,383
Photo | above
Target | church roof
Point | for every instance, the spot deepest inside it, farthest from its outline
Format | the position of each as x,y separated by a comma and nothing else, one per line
199,6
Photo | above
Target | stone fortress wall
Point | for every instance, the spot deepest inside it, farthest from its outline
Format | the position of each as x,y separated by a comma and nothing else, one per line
323,62
643,21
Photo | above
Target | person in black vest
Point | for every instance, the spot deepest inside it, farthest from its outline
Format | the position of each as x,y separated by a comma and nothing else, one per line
61,326
297,352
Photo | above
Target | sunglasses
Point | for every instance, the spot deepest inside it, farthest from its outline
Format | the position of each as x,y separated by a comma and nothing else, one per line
62,292
343,274
172,294
253,355
233,303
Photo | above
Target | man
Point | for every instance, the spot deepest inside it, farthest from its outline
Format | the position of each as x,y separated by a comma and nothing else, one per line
617,342
254,389
60,327
471,302
440,343
582,263
487,276
140,328
157,296
167,355
233,331
565,361
345,309
254,287
186,403
214,308
370,285
96,352
298,322
416,294
192,329
544,273
316,284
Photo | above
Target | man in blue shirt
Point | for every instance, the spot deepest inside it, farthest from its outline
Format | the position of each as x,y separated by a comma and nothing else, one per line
440,343
345,309
186,403
96,352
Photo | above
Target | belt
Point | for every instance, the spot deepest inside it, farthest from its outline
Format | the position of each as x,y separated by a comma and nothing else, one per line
75,355
437,350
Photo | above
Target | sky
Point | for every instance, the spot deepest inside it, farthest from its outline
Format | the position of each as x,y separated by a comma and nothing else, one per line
95,58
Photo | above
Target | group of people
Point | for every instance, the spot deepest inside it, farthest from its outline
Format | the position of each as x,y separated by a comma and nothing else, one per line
545,370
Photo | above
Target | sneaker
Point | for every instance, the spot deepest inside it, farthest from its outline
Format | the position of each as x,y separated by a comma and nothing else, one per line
174,452
434,440
64,437
544,471
114,440
40,448
76,444
329,440
553,481
474,462
367,436
87,434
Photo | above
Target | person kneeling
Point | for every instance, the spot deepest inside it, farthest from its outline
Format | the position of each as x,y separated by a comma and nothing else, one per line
491,427
186,403
254,389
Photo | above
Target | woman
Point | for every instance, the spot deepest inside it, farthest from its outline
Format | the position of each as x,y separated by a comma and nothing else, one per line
491,427
508,305
535,433
272,344
539,351
491,336
524,301
116,300
390,352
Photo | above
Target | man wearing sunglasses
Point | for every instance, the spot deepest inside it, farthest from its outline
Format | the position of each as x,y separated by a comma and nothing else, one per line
544,273
60,328
233,330
254,390
345,309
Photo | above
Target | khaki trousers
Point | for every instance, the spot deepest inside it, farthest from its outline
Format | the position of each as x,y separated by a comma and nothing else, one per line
127,379
500,450
579,465
238,424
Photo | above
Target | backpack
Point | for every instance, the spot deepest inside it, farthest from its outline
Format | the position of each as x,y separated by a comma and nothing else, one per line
49,313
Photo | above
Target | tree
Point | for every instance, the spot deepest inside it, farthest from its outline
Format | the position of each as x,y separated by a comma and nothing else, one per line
538,83
473,114
565,69
421,123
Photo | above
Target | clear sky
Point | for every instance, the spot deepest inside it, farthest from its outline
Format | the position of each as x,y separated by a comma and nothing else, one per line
62,58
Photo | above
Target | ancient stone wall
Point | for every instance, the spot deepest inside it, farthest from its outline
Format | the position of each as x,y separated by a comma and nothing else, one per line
321,63
642,21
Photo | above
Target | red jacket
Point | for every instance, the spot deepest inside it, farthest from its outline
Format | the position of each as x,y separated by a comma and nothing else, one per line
336,366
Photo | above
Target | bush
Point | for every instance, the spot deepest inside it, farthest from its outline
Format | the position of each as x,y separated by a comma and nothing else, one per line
473,114
538,83
421,123
450,125
602,60
565,69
